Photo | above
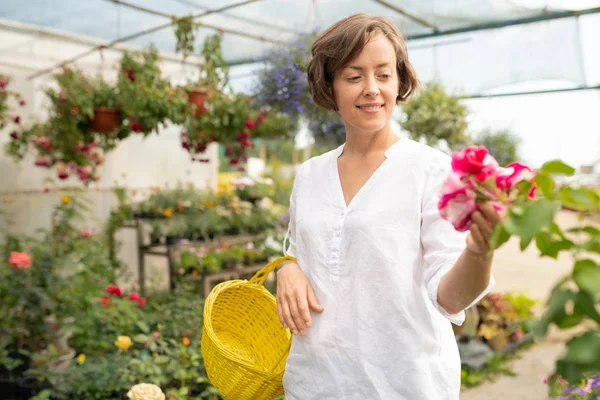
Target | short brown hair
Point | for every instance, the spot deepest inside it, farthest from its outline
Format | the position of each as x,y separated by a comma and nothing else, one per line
341,43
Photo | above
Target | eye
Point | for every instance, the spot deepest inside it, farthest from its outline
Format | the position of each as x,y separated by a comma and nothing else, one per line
354,79
385,76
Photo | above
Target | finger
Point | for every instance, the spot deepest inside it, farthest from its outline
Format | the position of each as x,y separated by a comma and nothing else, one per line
490,213
484,225
287,317
280,313
313,303
480,242
295,314
304,311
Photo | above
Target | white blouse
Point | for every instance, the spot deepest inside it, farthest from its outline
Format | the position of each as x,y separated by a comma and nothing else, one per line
375,266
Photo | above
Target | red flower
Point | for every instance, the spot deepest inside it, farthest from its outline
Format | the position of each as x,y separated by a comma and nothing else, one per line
17,120
114,289
135,126
142,302
42,161
63,175
233,161
14,134
186,145
130,75
3,84
86,233
250,124
228,150
22,102
133,296
105,301
200,147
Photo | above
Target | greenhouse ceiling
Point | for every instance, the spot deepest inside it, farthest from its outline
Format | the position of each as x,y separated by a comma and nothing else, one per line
251,27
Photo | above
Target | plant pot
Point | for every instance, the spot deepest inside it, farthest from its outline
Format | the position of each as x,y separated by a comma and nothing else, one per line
106,120
197,97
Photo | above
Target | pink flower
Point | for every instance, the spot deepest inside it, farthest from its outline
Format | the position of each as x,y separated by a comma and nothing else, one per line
507,178
86,233
22,102
3,83
457,202
250,124
19,260
474,160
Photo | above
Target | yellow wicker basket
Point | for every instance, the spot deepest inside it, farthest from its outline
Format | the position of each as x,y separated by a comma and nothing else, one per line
244,344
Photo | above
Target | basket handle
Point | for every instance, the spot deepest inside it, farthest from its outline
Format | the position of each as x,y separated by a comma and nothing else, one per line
260,276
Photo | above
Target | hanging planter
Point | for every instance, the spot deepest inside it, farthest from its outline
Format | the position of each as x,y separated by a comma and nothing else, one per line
106,120
197,98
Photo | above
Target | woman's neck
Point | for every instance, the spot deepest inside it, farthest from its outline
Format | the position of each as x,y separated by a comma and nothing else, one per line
361,144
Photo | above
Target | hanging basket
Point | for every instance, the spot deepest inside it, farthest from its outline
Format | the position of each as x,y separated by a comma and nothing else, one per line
244,345
106,120
197,97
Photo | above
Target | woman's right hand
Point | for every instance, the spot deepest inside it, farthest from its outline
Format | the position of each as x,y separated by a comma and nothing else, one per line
295,299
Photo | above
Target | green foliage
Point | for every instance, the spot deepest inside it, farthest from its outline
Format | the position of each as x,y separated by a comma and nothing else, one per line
435,115
185,33
574,300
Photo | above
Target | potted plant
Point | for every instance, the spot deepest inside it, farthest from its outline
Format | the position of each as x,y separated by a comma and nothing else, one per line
146,99
214,73
106,118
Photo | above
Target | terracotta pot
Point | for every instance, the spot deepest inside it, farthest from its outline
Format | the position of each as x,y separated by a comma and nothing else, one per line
105,120
197,97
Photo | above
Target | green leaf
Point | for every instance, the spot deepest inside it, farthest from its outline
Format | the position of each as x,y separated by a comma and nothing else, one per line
499,236
161,360
584,303
584,349
143,326
581,199
555,310
537,215
557,167
586,274
545,183
549,247
141,338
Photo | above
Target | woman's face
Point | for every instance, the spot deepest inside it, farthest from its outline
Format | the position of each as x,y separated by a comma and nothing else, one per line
366,89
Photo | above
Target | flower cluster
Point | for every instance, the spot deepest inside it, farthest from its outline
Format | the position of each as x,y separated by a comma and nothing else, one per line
476,177
5,94
118,292
587,389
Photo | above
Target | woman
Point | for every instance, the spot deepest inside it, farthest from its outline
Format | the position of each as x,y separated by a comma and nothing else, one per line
379,275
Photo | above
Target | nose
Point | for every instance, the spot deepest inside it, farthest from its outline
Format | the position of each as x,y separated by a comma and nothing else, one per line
371,88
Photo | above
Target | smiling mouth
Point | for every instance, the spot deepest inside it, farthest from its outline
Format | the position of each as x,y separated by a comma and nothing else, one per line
370,108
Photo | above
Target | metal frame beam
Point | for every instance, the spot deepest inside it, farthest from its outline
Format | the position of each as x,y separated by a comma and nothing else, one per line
506,23
217,28
512,94
135,36
408,15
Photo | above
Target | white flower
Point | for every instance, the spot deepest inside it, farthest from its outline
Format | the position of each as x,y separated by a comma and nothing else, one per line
145,391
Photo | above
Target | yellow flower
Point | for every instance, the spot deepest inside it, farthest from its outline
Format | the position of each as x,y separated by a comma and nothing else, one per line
81,358
65,199
209,203
167,212
145,391
185,341
123,342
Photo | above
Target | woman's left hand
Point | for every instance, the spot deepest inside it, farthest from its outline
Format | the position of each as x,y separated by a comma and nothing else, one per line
483,222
